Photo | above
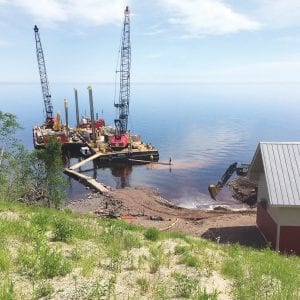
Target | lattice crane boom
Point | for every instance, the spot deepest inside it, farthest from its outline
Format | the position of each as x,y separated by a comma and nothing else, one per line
125,63
43,77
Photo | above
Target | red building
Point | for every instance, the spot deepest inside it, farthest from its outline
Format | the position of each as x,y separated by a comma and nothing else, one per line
276,168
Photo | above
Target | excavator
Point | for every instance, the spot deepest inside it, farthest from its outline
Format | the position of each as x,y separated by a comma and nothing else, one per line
240,169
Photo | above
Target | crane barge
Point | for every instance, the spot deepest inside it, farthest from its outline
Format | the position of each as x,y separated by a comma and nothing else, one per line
52,126
110,144
44,79
118,144
121,138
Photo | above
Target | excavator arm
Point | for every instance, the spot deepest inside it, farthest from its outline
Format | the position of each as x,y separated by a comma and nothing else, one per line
241,170
214,189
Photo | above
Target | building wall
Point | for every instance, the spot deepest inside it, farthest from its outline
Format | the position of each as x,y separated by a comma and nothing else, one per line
266,224
282,223
285,216
262,193
289,239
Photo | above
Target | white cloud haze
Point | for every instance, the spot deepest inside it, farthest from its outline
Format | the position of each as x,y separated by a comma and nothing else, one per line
207,17
88,12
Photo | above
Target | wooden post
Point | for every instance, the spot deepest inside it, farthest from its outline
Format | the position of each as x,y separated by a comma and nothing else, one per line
77,108
92,113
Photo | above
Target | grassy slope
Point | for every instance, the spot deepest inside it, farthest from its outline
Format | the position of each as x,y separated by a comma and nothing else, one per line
60,255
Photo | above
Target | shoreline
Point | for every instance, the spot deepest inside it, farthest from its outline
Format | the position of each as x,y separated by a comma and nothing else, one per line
146,207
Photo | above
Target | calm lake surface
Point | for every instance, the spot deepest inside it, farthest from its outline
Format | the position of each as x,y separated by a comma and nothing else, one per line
202,127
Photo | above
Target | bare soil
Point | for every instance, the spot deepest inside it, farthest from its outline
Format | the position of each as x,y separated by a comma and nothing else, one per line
146,207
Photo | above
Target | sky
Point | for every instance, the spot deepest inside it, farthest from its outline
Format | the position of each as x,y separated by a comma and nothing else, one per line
173,41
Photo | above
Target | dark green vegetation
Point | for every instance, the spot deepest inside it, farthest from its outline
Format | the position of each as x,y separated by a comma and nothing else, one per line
53,253
29,176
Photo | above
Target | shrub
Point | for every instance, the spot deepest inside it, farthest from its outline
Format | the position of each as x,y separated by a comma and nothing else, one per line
41,220
202,294
156,259
190,260
184,285
152,234
43,290
180,250
63,229
52,263
143,283
42,262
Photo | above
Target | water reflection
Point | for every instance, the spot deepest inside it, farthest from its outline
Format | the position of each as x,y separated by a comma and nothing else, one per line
121,174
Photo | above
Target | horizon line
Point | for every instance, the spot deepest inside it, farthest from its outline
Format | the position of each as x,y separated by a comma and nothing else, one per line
157,83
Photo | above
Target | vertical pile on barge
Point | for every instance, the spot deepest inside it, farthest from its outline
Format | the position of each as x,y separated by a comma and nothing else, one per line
52,126
118,144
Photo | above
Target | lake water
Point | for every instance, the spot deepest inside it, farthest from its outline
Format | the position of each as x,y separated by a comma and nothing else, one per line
203,128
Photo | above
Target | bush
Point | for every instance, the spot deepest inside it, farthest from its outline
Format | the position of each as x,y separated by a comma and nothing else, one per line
143,283
63,229
43,262
180,250
41,220
52,263
43,290
152,234
190,260
184,285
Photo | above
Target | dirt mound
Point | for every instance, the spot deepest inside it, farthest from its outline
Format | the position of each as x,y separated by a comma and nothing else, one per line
244,190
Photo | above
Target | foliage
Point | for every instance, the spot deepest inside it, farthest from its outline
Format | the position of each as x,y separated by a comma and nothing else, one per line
143,283
105,248
26,176
202,294
63,229
103,290
4,259
8,128
41,220
7,290
42,262
179,249
157,258
190,260
184,285
152,234
43,290
261,273
52,167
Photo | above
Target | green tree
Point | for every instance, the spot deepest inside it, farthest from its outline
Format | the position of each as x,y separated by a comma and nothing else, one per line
8,151
52,168
8,128
30,177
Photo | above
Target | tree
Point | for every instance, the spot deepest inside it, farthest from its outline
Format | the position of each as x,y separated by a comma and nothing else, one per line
8,149
31,177
52,168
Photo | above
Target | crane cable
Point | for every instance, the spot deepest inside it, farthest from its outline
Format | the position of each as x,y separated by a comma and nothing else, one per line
116,72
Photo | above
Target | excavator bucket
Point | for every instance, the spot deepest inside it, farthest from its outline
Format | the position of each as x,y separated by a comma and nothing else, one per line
214,190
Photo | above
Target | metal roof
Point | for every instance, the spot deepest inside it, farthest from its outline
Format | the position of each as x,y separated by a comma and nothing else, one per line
281,164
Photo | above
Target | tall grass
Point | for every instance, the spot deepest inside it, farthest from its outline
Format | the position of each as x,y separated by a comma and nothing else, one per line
42,262
7,291
38,244
262,273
